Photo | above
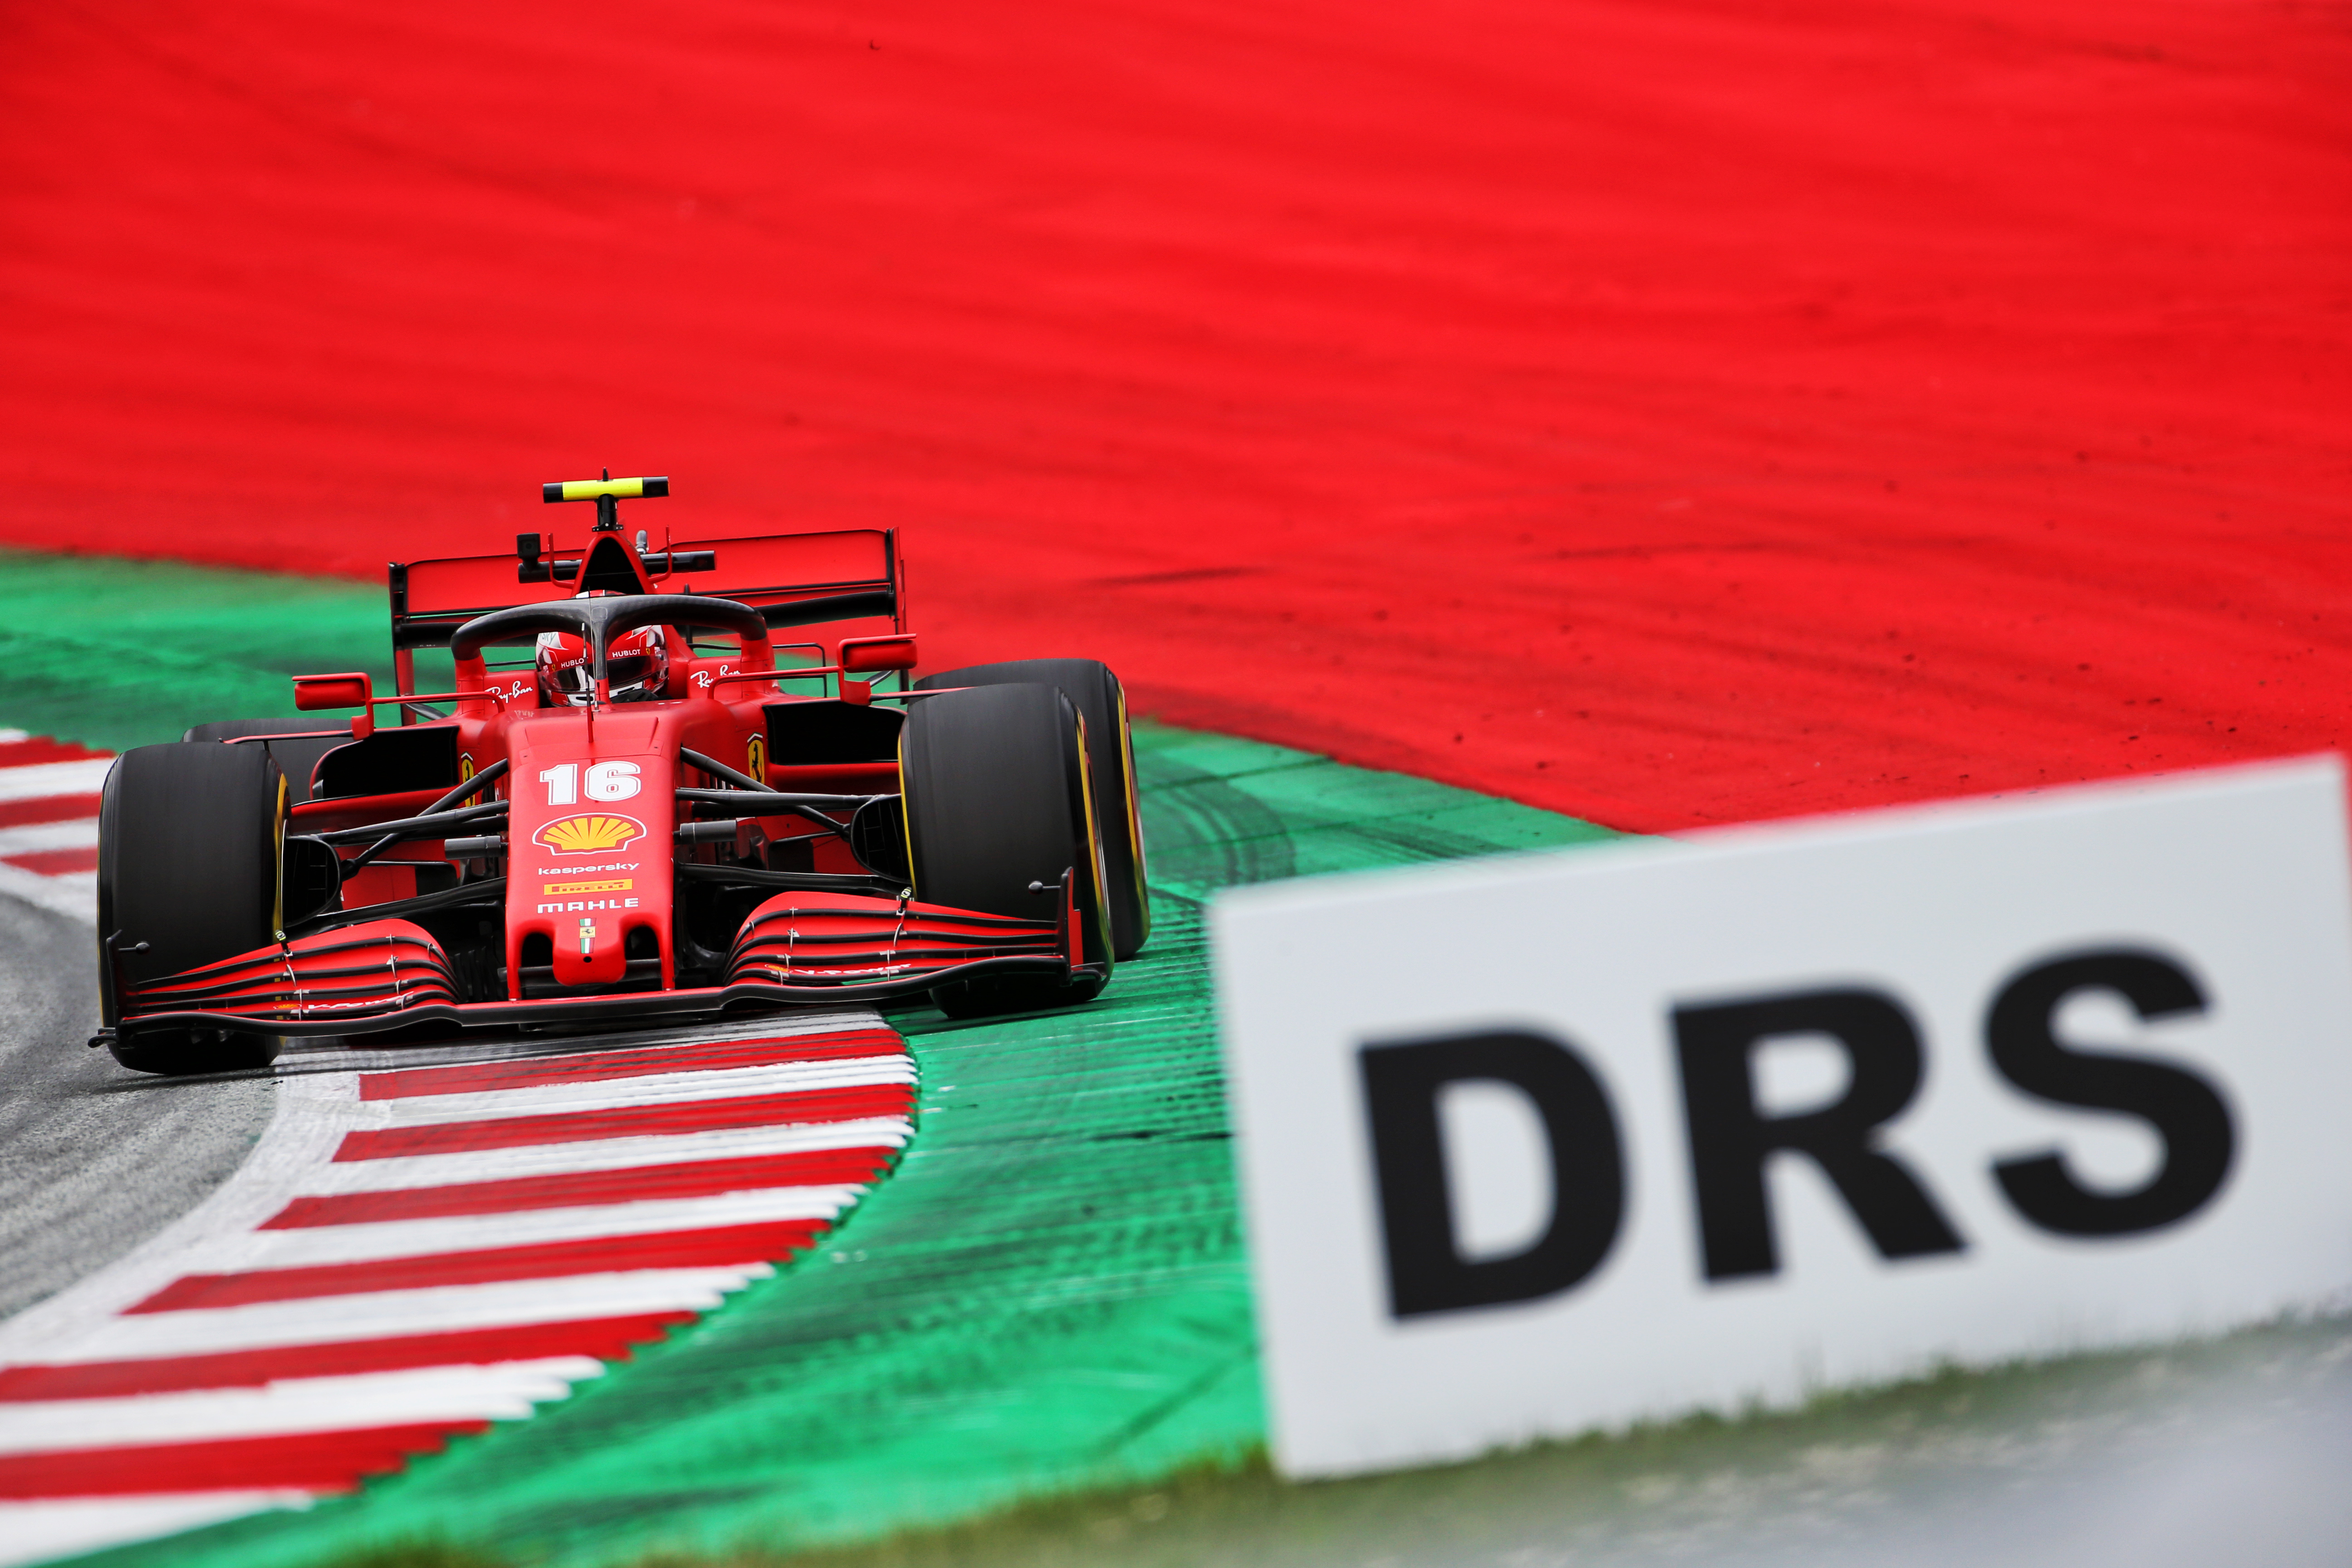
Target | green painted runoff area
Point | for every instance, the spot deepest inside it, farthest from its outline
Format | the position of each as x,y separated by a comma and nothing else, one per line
124,653
1049,1294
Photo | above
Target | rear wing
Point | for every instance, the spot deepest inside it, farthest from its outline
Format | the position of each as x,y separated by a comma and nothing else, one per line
791,579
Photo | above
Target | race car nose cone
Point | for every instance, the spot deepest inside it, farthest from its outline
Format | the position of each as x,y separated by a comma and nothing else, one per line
591,952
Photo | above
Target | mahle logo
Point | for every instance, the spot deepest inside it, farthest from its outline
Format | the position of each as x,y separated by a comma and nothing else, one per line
590,835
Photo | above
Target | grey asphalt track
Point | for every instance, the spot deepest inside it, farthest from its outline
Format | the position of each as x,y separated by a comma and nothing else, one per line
93,1159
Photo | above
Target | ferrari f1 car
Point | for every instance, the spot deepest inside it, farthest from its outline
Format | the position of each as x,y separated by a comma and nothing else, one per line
668,783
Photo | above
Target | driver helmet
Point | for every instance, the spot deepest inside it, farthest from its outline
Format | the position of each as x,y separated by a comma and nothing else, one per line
636,664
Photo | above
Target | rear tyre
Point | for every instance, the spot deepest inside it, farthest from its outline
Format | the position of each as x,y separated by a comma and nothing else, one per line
997,800
1095,691
188,846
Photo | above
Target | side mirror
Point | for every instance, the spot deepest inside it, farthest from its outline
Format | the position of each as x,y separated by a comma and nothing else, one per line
894,652
315,691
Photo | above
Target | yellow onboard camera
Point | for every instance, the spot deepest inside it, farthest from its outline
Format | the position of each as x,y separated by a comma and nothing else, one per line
607,493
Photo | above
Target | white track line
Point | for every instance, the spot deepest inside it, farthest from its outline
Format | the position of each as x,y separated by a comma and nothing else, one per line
356,1056
79,834
651,1090
39,1531
594,1154
310,1247
386,1314
503,1392
34,780
73,895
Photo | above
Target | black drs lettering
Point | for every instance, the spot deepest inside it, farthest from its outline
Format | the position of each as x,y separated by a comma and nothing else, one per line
2187,1111
1729,1139
1427,1272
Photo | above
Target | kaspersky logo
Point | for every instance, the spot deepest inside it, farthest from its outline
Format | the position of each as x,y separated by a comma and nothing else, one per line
592,834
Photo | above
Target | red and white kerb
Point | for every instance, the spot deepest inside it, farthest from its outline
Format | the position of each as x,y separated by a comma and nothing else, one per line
424,1246
49,822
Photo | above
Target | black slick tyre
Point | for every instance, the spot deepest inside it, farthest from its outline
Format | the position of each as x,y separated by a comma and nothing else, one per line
1095,691
997,802
188,846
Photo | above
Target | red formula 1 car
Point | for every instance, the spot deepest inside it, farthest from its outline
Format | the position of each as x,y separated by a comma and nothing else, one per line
630,810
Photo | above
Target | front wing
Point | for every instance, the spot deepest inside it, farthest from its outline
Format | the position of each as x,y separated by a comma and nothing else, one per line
797,948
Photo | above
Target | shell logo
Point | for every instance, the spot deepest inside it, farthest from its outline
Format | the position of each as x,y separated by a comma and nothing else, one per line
589,835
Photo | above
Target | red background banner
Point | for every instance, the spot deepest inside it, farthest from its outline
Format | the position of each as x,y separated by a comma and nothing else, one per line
1663,411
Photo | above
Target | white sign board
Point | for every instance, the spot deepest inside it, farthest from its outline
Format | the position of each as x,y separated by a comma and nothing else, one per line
1539,1144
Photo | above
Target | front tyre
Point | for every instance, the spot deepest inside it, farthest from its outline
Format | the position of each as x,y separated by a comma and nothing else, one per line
189,839
997,801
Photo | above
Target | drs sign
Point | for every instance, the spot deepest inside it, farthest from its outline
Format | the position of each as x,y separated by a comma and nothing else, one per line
1535,1145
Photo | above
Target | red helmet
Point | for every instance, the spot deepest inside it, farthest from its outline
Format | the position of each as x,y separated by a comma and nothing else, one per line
636,664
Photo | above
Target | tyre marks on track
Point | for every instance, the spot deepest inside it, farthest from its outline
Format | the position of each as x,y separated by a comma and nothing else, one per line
424,1242
49,822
